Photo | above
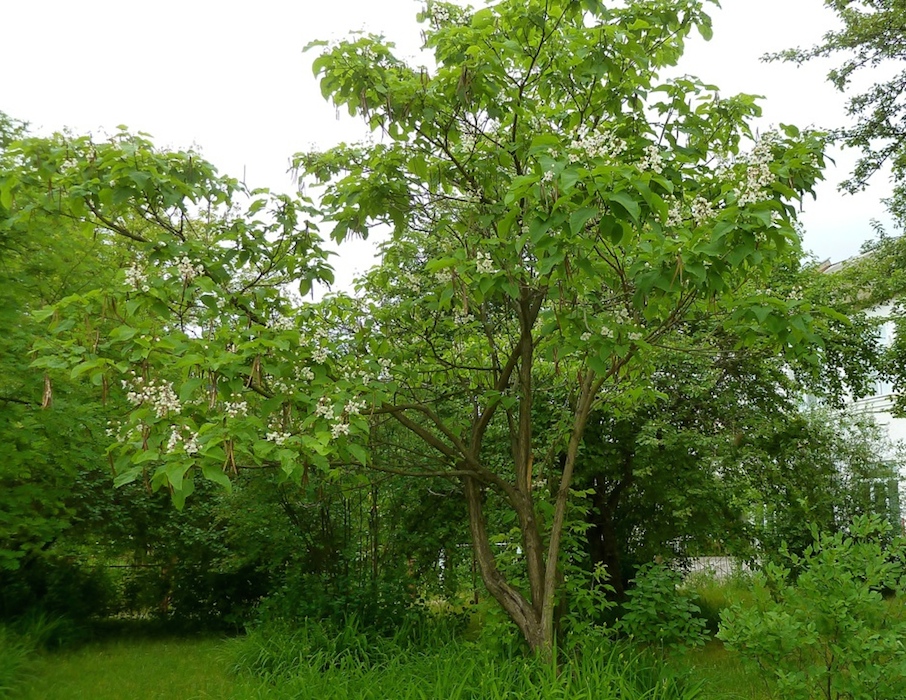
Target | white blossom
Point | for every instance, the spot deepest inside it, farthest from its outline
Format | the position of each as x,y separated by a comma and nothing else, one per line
484,263
675,214
236,408
354,408
182,437
652,159
158,394
277,437
599,144
188,270
441,15
758,176
338,429
136,278
324,408
320,355
462,317
283,323
702,210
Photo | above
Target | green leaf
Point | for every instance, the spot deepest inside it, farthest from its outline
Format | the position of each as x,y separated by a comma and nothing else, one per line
579,218
214,473
358,452
626,203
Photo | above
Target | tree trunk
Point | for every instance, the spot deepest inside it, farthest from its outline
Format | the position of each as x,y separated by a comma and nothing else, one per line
603,546
520,610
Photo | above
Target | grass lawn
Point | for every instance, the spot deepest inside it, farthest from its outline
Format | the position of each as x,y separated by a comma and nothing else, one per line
134,669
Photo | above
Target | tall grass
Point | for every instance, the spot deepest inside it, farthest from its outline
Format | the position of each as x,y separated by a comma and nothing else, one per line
311,662
15,653
712,594
417,664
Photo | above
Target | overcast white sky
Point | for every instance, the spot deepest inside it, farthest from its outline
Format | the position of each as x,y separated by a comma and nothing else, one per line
230,77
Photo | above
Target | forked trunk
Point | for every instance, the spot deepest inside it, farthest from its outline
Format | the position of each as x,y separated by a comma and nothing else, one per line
522,612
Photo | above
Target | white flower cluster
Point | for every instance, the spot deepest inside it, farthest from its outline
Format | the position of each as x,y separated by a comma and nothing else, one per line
304,374
386,366
675,213
364,376
115,430
136,279
159,395
621,315
548,177
484,264
324,408
282,387
461,317
652,160
277,437
320,339
411,279
188,270
702,210
236,408
599,144
182,437
724,169
758,170
354,408
283,323
467,142
441,15
338,429
444,276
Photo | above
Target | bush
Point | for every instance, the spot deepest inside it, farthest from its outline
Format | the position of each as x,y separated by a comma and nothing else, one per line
58,587
659,614
828,634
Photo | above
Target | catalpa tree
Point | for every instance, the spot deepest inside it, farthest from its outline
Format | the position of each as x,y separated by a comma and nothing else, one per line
557,215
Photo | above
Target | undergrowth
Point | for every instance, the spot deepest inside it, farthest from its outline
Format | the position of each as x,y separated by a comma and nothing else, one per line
318,661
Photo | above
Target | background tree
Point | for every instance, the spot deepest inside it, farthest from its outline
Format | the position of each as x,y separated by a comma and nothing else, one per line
872,38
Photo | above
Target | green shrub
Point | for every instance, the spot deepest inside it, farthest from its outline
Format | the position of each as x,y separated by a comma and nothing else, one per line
830,633
58,587
658,613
